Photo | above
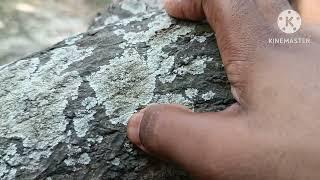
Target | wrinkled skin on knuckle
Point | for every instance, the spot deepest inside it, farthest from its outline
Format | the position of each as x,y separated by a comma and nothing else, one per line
240,56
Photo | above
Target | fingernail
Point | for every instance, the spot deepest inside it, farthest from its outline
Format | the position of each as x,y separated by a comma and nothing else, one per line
134,128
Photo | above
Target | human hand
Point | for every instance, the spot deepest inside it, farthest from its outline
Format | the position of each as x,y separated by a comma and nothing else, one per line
272,132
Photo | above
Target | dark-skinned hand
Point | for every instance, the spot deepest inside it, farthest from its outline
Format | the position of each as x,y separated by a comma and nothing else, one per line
273,132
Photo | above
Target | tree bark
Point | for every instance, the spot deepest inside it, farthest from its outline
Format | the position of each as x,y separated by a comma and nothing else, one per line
64,110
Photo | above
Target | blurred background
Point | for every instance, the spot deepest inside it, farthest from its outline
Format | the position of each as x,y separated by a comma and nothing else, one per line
27,26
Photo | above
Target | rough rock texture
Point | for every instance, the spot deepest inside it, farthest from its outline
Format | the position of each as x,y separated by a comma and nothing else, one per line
64,110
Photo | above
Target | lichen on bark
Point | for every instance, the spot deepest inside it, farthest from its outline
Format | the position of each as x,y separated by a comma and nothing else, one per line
64,110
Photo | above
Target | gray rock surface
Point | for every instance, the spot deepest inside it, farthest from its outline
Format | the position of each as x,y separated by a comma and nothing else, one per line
64,110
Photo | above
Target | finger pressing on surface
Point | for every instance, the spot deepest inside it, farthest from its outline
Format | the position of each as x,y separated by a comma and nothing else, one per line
185,9
241,26
177,134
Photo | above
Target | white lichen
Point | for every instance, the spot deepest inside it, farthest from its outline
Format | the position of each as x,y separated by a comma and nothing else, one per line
208,96
73,39
119,32
3,169
200,39
96,29
62,58
84,159
163,22
172,99
123,85
81,122
7,173
195,68
126,21
35,97
128,81
9,156
167,78
191,93
89,102
97,139
115,162
70,162
111,19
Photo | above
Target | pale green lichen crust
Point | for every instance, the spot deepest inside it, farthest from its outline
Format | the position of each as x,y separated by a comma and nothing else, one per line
128,82
33,99
63,111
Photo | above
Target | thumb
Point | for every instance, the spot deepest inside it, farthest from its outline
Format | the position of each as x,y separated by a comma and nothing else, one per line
186,9
200,142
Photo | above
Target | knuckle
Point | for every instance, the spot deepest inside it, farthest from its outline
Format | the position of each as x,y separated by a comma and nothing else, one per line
236,71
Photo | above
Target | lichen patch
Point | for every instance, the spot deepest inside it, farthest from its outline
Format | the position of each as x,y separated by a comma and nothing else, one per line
81,121
173,99
195,68
191,93
200,39
111,19
35,97
72,40
115,162
123,85
62,58
208,96
89,102
84,159
128,82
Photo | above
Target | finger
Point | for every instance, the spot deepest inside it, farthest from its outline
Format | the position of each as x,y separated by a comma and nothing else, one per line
219,12
198,142
134,129
240,26
186,9
309,10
